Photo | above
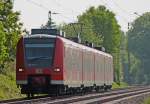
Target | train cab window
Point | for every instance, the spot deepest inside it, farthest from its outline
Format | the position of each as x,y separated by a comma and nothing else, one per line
39,54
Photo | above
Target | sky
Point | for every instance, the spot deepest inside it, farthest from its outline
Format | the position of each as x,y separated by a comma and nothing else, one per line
34,13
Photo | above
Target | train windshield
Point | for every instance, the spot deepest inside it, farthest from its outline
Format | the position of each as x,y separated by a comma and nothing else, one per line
39,52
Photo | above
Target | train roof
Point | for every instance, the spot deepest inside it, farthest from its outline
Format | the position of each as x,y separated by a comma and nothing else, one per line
67,41
39,35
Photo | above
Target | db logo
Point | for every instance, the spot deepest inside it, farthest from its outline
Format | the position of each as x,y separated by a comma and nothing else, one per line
39,71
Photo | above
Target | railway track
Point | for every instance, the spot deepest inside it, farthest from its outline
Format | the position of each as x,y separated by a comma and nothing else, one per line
90,98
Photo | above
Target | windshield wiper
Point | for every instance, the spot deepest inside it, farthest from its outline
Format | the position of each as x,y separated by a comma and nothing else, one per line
37,58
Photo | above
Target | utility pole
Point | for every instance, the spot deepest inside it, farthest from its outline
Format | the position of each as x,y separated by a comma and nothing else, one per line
129,61
50,17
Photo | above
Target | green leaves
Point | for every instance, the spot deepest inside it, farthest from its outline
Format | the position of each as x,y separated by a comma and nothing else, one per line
10,30
3,48
139,40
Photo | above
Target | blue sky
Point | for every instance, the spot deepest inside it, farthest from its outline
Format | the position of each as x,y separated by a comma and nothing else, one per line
34,13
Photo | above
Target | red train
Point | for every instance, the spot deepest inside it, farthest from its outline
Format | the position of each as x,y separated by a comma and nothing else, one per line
48,63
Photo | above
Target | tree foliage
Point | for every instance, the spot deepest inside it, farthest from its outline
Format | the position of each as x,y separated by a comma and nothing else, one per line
103,24
10,30
139,39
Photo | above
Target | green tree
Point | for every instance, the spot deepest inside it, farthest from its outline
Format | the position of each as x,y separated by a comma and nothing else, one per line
10,30
3,48
139,39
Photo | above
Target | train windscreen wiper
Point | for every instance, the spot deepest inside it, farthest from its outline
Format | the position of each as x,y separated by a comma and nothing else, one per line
37,58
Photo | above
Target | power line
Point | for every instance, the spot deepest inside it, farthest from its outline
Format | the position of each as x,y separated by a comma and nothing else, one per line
124,18
58,4
45,8
110,8
39,5
120,8
123,10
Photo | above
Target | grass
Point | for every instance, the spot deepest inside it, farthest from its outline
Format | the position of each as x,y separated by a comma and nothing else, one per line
121,85
146,101
8,88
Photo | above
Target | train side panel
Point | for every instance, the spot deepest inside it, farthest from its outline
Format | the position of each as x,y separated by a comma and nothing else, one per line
108,70
111,71
88,67
99,69
72,65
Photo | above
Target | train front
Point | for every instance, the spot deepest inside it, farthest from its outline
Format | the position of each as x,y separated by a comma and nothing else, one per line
37,65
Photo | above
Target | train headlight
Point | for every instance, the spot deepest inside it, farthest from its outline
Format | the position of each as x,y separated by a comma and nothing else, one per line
20,69
57,70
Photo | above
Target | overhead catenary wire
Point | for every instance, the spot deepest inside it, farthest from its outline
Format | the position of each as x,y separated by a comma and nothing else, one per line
69,18
46,9
66,8
124,18
123,10
126,13
120,8
37,4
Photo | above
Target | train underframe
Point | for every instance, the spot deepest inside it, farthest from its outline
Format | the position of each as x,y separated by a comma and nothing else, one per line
54,90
